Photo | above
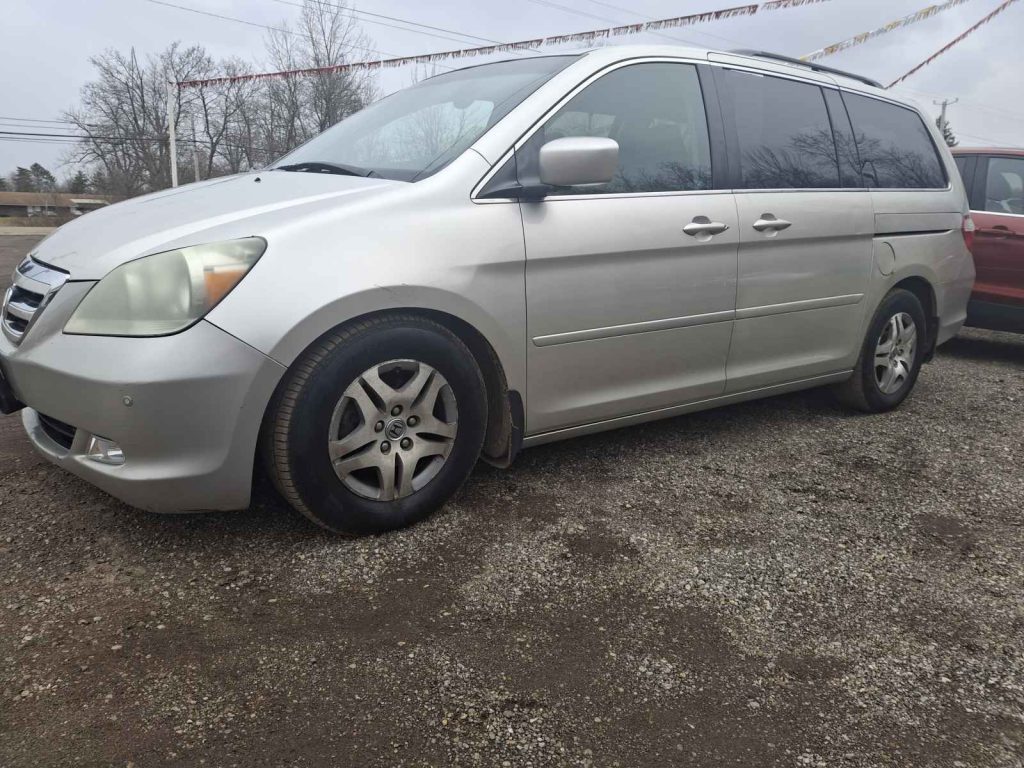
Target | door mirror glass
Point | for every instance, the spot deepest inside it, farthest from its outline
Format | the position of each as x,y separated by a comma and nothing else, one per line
578,161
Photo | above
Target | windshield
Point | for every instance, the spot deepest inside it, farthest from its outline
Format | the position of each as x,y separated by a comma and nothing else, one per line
417,131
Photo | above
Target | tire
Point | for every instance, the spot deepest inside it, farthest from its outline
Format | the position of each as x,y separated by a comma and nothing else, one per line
377,425
870,389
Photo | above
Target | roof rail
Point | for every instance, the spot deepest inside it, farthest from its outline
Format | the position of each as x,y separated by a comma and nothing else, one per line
807,64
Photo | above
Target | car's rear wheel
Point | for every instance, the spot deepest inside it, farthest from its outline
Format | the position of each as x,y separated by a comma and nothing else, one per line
378,425
890,357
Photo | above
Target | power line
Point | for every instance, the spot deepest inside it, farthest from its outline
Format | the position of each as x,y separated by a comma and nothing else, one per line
670,37
975,104
269,27
222,17
65,138
35,126
588,15
81,136
34,120
36,141
574,11
990,142
392,26
355,13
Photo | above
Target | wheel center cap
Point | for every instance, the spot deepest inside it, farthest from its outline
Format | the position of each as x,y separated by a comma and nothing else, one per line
395,428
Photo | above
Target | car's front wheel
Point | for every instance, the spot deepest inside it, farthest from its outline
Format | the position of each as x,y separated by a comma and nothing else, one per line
891,355
378,425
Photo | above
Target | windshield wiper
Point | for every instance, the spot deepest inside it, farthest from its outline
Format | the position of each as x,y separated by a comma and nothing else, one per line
319,166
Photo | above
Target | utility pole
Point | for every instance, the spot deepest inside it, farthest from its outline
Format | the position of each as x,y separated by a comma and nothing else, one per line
944,104
195,151
172,129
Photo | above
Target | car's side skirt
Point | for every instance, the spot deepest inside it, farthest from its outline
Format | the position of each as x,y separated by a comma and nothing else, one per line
677,410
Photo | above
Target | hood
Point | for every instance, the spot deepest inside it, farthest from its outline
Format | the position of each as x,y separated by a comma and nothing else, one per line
219,209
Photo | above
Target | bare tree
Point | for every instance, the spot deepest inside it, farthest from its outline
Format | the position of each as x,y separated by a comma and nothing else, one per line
283,123
300,107
238,124
331,36
217,110
123,114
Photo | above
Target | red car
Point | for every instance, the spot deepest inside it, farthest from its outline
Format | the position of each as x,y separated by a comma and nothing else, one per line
994,179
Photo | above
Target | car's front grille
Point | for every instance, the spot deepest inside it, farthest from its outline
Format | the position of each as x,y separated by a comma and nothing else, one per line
61,433
34,286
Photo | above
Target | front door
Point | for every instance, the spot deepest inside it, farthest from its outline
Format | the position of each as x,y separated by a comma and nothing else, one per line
627,312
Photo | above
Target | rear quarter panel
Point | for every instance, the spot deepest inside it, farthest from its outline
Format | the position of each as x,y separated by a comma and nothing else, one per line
918,234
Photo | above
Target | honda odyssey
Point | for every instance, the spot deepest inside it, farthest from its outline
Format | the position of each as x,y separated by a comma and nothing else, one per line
497,257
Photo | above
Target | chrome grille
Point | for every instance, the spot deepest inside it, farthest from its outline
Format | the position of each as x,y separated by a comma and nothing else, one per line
34,286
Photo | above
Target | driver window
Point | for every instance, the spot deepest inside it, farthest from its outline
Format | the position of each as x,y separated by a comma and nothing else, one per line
656,114
1004,187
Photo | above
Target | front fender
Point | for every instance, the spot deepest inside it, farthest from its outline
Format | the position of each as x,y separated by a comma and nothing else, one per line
503,331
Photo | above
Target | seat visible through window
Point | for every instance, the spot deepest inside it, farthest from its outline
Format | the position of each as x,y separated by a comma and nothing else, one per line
1004,187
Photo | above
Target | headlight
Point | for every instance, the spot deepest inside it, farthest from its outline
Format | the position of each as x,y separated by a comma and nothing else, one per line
166,292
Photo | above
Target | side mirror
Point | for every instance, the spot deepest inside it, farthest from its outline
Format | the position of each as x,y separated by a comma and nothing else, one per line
578,161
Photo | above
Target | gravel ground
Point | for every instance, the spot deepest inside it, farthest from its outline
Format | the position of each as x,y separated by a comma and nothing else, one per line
775,583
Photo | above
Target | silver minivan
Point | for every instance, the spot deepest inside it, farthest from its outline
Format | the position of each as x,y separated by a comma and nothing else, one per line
497,257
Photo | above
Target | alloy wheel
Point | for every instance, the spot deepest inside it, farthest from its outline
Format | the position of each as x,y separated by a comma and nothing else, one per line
393,429
895,353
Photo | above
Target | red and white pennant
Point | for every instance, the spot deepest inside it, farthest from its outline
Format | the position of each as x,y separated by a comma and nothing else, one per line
589,36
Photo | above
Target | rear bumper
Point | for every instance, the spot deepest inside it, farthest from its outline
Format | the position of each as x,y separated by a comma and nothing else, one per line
953,293
185,409
996,317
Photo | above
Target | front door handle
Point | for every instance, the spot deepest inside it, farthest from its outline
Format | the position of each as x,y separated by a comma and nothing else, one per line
704,227
998,232
768,222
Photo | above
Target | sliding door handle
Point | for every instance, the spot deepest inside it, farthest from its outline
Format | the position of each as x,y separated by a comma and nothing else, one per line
703,226
768,222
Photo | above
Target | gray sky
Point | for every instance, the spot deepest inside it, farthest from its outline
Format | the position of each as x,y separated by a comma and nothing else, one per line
45,47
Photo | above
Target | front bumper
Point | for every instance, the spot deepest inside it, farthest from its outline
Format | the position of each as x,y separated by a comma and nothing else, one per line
186,409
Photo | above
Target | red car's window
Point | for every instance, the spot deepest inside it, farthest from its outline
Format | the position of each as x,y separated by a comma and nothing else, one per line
1004,186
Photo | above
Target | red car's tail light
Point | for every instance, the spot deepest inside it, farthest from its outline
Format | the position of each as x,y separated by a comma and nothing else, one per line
968,231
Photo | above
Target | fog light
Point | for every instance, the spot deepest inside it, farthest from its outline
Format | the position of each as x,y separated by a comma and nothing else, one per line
104,451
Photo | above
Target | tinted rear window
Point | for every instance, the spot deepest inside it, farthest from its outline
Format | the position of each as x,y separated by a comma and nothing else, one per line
896,150
785,138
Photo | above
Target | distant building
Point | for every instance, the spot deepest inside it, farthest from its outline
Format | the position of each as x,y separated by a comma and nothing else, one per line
49,203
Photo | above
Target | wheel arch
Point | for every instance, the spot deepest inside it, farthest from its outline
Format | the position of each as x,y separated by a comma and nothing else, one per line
503,438
505,413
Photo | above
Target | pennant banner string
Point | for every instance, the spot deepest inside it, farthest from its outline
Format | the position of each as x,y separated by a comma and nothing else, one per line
966,33
906,21
590,36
